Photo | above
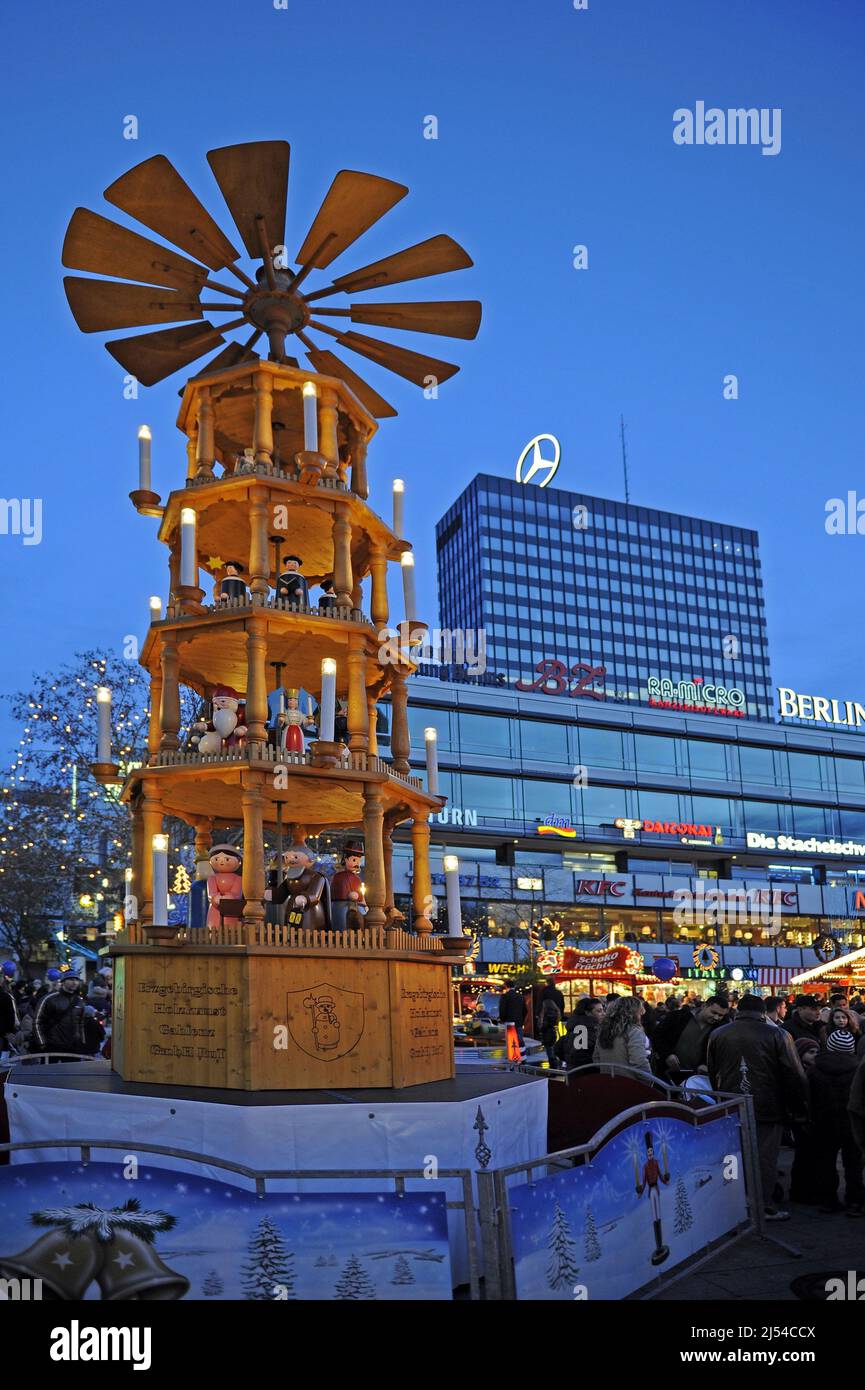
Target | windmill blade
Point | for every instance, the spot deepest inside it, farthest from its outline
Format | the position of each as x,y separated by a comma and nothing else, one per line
435,256
103,304
156,195
455,318
353,203
230,356
253,180
97,244
330,365
153,356
414,366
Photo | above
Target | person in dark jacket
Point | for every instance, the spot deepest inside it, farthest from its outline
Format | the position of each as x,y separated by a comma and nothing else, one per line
804,1019
829,1083
512,1009
577,1047
9,1021
94,1031
803,1173
681,1038
549,1018
59,1022
551,992
750,1057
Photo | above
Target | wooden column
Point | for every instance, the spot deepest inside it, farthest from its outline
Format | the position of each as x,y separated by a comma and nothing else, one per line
170,704
259,551
371,723
400,742
357,596
256,681
387,847
373,855
192,450
253,857
379,608
204,450
154,731
136,817
421,886
151,824
358,715
173,574
203,839
342,578
328,442
262,437
359,483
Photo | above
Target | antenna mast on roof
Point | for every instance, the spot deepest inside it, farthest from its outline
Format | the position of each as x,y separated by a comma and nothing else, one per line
624,457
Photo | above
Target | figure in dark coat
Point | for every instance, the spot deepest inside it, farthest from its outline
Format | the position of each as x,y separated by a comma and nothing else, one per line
303,890
829,1082
291,585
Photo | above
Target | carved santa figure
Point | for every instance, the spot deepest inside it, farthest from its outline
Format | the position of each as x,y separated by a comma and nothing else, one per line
346,891
228,724
224,882
303,890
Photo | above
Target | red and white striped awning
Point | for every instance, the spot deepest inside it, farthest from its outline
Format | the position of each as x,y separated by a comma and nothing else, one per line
773,975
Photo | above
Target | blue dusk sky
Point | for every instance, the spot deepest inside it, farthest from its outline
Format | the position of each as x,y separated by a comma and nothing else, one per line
555,128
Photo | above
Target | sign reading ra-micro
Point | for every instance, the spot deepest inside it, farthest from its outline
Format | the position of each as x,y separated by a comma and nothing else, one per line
819,709
696,696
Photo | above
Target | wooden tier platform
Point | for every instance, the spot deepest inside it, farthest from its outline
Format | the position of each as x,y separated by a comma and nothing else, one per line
288,1010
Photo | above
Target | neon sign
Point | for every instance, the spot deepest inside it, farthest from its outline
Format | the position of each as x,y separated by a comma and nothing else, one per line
554,673
696,697
557,825
538,460
816,709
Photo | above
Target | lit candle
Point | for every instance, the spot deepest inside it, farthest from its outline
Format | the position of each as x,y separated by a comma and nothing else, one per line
155,609
130,912
103,726
398,504
281,700
432,761
407,562
310,417
160,880
452,886
188,556
144,480
309,706
328,700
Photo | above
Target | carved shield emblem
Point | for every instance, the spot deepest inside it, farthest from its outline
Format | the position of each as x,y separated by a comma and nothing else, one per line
325,1021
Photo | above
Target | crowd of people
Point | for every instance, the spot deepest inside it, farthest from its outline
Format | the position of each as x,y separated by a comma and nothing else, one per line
802,1062
58,1014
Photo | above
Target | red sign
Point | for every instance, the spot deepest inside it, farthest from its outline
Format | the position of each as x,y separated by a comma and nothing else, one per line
554,678
859,904
616,960
667,827
595,887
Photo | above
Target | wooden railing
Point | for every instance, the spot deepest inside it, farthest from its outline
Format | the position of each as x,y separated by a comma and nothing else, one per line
344,614
352,761
234,932
268,470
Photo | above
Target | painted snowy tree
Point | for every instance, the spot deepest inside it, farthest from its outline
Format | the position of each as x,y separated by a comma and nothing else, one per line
213,1285
269,1273
683,1218
402,1272
591,1244
354,1282
562,1269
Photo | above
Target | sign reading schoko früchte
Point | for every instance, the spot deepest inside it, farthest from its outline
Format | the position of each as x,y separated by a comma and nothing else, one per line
819,709
696,696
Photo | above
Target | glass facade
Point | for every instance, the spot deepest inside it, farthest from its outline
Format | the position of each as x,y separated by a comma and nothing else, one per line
587,582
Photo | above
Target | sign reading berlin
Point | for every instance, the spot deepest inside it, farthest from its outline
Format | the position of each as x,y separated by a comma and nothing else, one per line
819,709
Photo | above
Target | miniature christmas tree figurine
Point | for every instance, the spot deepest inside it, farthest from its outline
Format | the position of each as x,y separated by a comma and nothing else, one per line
346,891
232,585
291,585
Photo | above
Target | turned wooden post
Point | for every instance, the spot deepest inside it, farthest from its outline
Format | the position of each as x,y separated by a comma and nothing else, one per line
253,858
170,703
204,449
151,824
173,574
192,450
259,557
203,841
421,883
373,856
371,724
256,682
262,439
328,441
136,816
154,729
359,483
379,607
390,821
342,578
400,741
358,715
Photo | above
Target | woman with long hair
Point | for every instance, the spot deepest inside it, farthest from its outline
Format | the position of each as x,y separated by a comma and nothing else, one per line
621,1036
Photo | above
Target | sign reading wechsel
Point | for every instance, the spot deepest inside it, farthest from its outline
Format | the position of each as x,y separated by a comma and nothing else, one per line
818,709
847,849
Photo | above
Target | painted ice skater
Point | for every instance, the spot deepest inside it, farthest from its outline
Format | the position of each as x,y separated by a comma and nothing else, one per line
653,1175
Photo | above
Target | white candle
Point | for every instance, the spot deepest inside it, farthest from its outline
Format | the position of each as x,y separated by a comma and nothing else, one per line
188,556
432,761
407,562
103,726
309,706
281,700
155,609
144,480
130,907
452,885
160,880
398,508
328,700
310,417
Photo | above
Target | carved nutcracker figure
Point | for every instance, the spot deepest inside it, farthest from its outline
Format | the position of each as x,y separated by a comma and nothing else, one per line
303,890
291,585
232,584
346,891
225,882
227,726
652,1177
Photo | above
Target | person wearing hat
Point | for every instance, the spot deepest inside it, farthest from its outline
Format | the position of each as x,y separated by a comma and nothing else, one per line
10,1022
749,1057
290,724
232,586
225,883
291,585
327,599
830,1080
303,890
59,1022
346,890
803,1021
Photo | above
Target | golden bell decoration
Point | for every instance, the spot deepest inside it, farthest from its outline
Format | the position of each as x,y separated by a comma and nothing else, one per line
131,1269
65,1263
